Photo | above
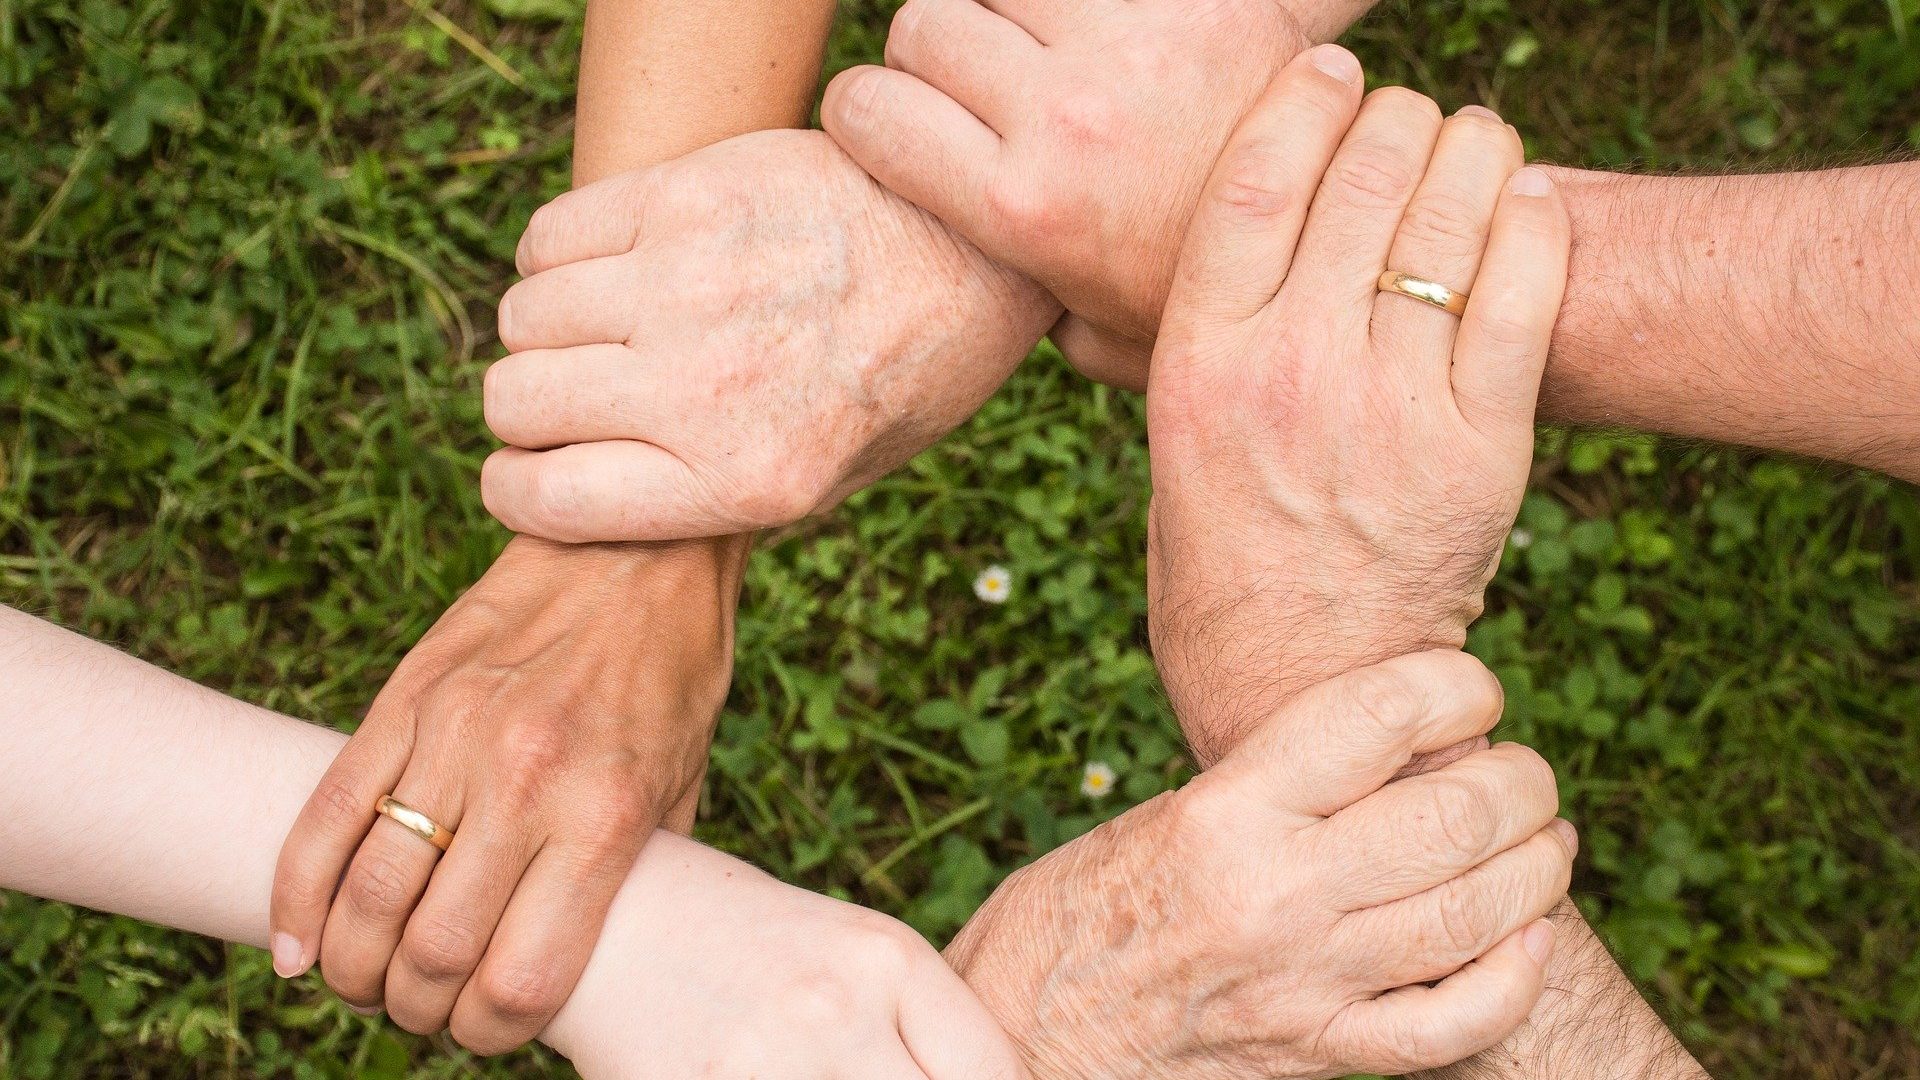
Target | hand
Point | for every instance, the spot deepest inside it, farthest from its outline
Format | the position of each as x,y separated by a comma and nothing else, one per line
1070,141
550,719
1336,468
708,967
1280,915
736,340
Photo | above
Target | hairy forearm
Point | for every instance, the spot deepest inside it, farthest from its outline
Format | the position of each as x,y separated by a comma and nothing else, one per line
130,790
1767,311
1589,1025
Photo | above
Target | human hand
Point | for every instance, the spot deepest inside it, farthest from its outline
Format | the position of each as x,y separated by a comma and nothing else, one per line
709,967
551,718
1071,141
735,340
1335,469
1280,915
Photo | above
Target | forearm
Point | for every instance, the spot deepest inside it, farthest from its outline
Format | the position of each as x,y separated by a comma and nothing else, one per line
1589,1025
662,78
128,789
1767,311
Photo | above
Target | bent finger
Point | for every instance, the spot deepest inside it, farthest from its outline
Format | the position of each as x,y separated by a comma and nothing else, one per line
921,145
541,946
607,491
974,56
579,303
1438,931
593,222
590,393
1432,828
1420,1027
325,836
1501,352
1339,742
450,930
1240,244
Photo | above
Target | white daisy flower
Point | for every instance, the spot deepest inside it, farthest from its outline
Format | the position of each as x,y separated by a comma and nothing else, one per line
1521,539
1097,781
994,585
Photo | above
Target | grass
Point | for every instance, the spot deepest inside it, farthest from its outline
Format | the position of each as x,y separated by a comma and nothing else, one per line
249,256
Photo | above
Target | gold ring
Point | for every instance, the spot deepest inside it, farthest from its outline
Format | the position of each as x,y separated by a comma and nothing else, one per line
1427,292
414,821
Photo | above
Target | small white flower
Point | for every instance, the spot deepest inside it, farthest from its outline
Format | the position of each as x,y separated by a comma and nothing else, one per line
1521,539
1097,781
994,585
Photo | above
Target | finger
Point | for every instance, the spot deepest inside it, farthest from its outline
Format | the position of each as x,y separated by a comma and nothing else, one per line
1431,828
1502,348
1444,234
541,945
1419,1027
589,393
973,56
1240,244
325,836
921,145
1101,356
1358,208
384,882
610,491
950,1033
450,929
593,222
1337,743
1435,932
581,303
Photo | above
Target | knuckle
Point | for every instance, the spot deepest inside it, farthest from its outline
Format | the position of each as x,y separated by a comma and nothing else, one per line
1253,181
1021,208
378,887
1461,816
1459,923
1085,118
339,803
1440,221
442,953
887,950
1372,175
522,994
904,37
530,255
823,1001
1384,701
1504,328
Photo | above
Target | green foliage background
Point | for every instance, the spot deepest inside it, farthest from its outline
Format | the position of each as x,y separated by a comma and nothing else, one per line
248,252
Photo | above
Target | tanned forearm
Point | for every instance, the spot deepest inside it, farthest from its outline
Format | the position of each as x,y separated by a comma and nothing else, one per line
660,79
1766,311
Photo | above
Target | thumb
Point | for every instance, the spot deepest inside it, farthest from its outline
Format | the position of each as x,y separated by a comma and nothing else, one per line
1344,739
1102,356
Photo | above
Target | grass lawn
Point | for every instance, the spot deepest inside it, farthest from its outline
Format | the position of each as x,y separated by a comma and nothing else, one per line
248,255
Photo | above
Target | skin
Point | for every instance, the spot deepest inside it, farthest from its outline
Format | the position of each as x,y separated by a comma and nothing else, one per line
563,707
1762,310
707,966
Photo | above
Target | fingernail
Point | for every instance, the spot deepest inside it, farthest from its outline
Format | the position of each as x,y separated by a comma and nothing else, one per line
289,959
1337,62
1568,834
370,1010
1538,941
1481,111
1531,182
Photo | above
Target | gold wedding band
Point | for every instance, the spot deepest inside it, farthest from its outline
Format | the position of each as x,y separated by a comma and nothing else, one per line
1427,292
414,821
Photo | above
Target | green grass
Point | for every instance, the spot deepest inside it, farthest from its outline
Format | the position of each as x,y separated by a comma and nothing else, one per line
248,253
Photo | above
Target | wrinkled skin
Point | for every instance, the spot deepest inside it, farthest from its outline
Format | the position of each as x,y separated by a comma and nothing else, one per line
1278,916
1068,141
736,340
